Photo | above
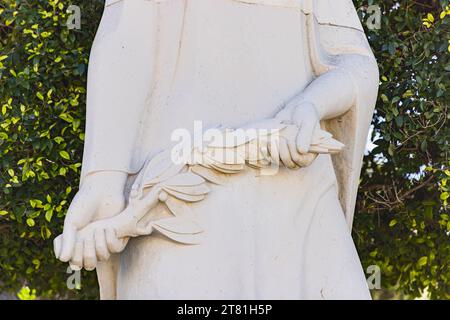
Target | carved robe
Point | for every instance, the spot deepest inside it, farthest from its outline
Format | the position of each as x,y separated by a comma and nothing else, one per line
233,62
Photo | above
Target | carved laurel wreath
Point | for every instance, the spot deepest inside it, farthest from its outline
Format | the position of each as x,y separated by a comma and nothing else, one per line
188,182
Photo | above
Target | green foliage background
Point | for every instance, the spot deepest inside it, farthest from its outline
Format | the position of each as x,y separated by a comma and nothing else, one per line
402,222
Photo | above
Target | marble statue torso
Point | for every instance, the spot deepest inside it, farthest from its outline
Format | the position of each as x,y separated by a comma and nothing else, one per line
231,79
161,65
256,227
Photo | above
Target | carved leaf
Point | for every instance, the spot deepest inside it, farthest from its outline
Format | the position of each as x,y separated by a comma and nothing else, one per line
156,166
170,172
259,164
190,239
185,197
222,167
182,230
191,190
178,208
229,138
185,179
179,225
210,175
229,156
227,170
331,145
318,150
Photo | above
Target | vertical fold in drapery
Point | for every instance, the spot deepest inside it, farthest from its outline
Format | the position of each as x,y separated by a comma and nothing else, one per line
119,77
132,63
337,41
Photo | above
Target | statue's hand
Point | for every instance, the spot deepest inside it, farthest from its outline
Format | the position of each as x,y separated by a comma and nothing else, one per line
294,149
98,240
101,196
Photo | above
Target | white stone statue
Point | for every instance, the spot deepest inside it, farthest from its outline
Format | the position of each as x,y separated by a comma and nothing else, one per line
216,225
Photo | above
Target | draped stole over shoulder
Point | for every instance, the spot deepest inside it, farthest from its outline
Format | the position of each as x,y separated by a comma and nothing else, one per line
254,225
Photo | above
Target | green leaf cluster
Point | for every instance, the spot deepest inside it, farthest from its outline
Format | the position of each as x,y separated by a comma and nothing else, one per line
42,109
402,222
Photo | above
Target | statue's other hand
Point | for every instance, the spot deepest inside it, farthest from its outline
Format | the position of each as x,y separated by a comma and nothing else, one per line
294,146
96,242
100,196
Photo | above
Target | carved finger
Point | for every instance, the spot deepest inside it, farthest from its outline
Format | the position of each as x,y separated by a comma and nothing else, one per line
100,245
295,155
285,155
57,243
89,257
77,259
145,230
152,198
307,159
305,136
79,206
114,244
67,243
